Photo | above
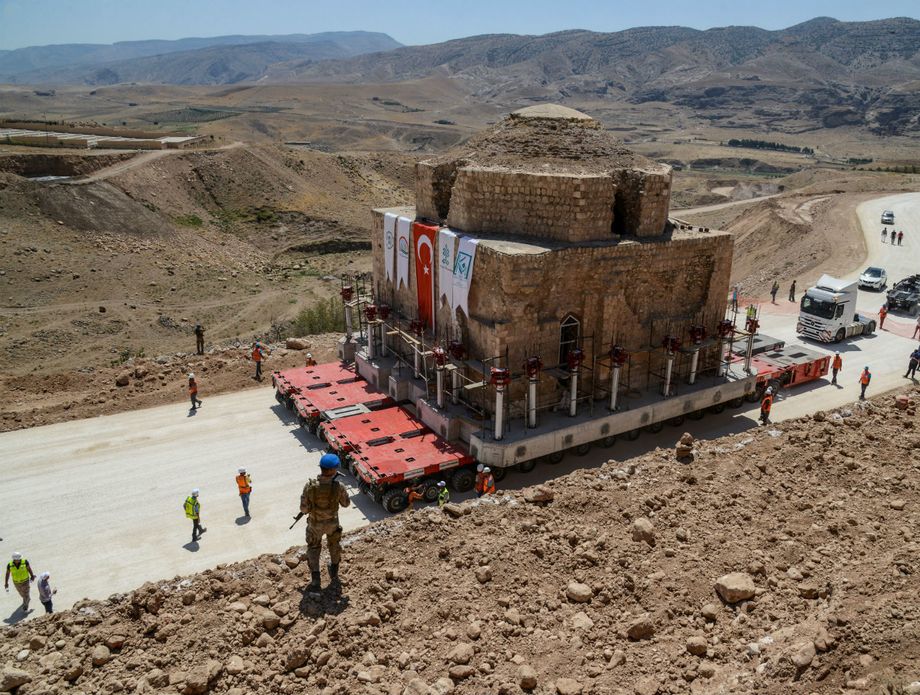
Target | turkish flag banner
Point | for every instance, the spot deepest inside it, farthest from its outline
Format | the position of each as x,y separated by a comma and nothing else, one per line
424,236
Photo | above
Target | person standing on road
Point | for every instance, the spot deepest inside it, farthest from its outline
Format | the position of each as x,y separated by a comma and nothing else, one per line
45,592
244,483
735,298
893,236
836,366
414,494
193,512
917,326
443,493
258,355
900,237
320,501
912,363
766,405
864,380
773,291
193,391
199,339
20,571
882,313
884,234
488,481
792,291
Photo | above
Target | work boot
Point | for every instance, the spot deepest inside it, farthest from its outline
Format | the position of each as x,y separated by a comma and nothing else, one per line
316,584
333,572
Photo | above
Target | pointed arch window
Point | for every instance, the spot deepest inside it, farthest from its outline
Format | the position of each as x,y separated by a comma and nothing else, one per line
569,333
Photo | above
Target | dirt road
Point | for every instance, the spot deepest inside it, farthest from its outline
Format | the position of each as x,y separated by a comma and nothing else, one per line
102,497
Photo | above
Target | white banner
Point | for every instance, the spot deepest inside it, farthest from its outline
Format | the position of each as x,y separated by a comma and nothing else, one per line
403,244
447,243
463,273
389,242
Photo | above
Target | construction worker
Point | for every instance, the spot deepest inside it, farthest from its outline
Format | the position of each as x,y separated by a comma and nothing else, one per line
884,234
751,312
479,478
792,291
258,355
773,290
443,493
310,361
18,568
893,236
900,237
766,405
836,366
735,298
414,494
488,481
320,501
45,592
882,313
193,391
193,512
916,327
199,339
244,483
864,380
912,363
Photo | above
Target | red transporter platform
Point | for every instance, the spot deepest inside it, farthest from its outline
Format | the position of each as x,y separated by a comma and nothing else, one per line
337,399
384,470
346,433
292,381
789,366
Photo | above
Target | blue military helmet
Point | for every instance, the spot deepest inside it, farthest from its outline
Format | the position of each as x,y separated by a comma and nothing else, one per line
329,461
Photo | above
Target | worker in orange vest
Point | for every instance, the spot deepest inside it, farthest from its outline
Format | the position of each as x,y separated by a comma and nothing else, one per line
766,405
193,391
479,478
836,366
244,483
488,481
864,380
882,313
258,355
414,494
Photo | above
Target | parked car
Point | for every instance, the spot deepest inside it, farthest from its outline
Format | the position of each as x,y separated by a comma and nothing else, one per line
873,278
905,295
888,217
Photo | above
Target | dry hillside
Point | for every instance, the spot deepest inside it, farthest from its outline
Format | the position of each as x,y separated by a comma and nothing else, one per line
610,580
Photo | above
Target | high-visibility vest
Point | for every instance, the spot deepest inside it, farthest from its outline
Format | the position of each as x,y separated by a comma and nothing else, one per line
488,485
480,478
19,574
838,362
192,387
766,404
256,355
243,483
192,508
443,497
865,378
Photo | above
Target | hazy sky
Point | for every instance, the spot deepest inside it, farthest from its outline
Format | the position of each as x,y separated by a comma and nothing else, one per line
40,22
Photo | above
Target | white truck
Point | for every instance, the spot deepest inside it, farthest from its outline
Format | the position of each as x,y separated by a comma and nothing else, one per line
827,312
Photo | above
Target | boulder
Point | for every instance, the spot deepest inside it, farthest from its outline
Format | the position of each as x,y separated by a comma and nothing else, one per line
297,344
123,379
235,665
539,494
643,530
101,655
527,677
568,686
11,678
459,672
735,587
696,645
578,592
461,654
641,628
802,655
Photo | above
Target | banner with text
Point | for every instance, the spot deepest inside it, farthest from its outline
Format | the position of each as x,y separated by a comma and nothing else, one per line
389,243
447,244
463,272
403,242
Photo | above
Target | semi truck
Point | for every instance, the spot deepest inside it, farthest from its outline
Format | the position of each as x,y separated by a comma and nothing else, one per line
827,312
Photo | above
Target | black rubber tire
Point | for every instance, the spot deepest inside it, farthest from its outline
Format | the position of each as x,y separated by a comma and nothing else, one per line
321,434
279,398
527,466
655,427
696,414
753,396
840,335
463,479
633,435
870,328
607,442
736,402
717,408
555,457
431,490
581,449
499,473
394,500
676,421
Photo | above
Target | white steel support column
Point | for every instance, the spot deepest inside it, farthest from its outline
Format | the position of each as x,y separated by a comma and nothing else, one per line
417,357
694,362
440,387
749,353
499,412
347,321
669,369
532,403
614,386
573,395
455,386
371,339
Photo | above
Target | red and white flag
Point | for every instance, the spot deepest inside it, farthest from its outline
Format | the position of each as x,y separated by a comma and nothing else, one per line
424,236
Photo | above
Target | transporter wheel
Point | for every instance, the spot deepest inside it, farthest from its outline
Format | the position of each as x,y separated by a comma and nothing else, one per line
840,335
633,435
430,494
717,408
754,395
736,402
499,473
696,414
870,328
321,434
607,442
676,421
655,427
555,457
279,397
289,402
463,479
394,500
527,466
582,449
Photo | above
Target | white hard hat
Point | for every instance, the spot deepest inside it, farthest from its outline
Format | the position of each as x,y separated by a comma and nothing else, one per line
17,555
191,376
240,470
479,468
486,470
309,354
769,389
441,483
195,492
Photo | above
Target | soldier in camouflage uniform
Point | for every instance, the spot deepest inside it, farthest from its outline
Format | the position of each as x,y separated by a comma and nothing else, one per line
320,501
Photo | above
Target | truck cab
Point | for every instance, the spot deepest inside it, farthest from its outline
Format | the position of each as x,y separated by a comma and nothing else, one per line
827,312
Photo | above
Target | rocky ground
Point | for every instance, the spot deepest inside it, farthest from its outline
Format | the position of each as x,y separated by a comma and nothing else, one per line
781,560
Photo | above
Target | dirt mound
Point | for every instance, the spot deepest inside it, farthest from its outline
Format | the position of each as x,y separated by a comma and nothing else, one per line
781,560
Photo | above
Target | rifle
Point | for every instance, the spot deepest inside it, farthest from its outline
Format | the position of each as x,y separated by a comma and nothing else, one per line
296,519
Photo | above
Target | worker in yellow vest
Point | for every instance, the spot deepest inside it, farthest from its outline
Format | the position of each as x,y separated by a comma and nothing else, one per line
19,570
244,483
193,512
